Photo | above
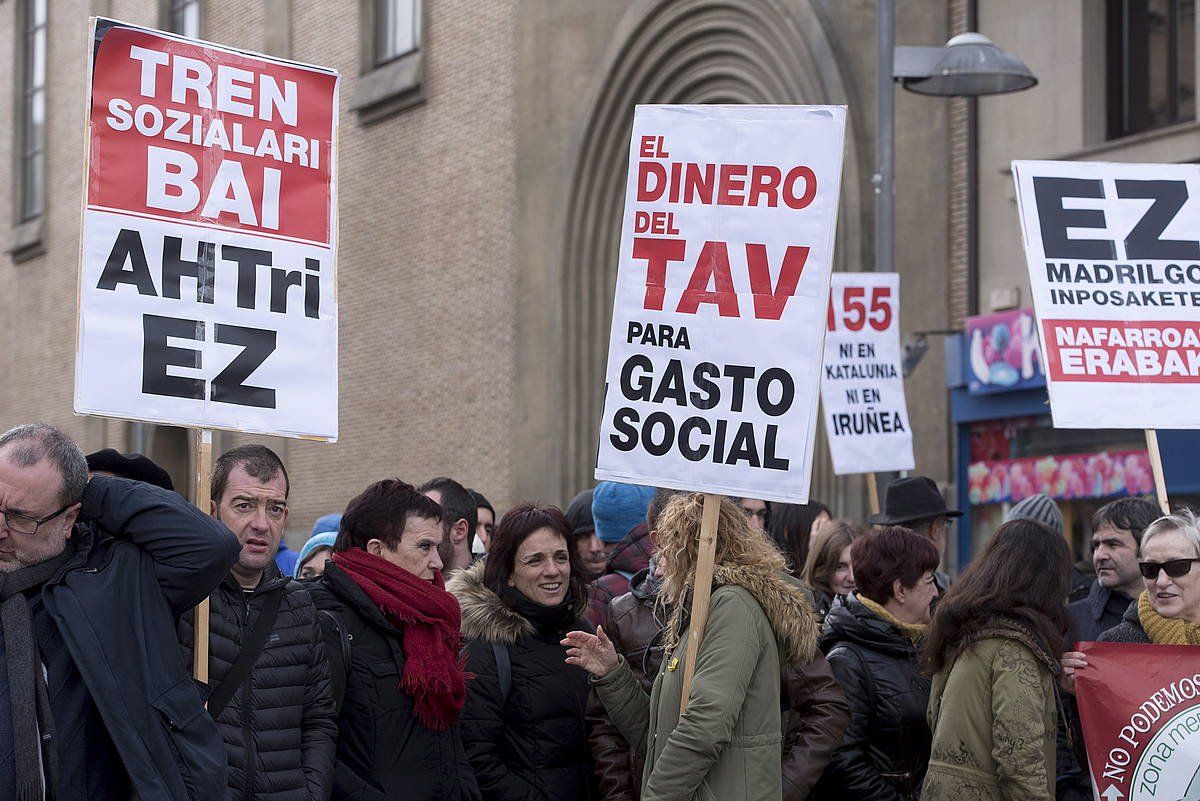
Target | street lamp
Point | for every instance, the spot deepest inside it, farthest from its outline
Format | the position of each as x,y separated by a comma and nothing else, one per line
969,65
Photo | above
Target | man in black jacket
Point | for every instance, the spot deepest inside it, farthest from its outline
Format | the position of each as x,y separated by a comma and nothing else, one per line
270,679
95,698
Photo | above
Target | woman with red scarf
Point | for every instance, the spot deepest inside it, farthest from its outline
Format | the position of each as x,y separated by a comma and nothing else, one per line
392,637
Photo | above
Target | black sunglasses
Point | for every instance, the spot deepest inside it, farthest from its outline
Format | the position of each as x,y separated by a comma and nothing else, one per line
1174,568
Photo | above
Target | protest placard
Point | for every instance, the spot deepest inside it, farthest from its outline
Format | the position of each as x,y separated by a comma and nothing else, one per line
1114,263
207,289
1140,710
722,289
862,386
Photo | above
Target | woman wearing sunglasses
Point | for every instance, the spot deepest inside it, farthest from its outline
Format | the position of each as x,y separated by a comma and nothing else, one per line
1168,612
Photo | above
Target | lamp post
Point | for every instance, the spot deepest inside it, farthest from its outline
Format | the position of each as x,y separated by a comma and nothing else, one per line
969,65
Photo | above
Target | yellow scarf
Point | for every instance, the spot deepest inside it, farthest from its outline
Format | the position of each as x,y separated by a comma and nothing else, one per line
1166,630
913,631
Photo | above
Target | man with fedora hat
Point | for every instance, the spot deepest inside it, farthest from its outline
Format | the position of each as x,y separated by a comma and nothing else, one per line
917,504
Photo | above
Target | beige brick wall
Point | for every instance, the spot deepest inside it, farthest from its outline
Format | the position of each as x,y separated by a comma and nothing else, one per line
452,229
424,261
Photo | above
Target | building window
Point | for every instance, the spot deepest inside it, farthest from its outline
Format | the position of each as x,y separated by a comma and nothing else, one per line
393,61
183,18
31,191
397,29
1151,64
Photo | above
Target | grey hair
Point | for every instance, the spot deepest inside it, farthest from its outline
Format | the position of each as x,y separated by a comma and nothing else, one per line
33,442
1183,520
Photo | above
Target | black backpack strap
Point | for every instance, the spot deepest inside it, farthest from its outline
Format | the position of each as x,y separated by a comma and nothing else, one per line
338,673
251,648
503,669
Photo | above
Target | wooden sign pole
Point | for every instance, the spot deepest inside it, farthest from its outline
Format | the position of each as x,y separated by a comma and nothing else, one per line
873,493
701,591
202,491
1160,479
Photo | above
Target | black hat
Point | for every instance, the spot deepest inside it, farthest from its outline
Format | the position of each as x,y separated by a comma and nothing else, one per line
133,465
579,514
910,499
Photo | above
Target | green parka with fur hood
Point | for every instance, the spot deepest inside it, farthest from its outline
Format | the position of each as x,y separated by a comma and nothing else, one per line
727,746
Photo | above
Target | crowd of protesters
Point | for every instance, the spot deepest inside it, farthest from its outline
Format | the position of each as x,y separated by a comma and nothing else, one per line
422,646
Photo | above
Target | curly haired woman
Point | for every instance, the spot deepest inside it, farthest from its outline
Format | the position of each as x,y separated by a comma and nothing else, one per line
727,745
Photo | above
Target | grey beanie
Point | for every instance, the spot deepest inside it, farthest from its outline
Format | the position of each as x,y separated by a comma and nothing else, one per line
1039,508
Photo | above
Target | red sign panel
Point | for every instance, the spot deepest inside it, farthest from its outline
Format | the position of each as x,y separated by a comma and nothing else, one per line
183,131
1140,708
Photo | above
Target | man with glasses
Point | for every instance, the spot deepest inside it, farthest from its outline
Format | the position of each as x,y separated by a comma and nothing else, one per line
757,513
95,701
270,691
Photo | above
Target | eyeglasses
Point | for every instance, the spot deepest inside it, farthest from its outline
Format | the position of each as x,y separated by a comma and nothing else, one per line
1174,568
26,525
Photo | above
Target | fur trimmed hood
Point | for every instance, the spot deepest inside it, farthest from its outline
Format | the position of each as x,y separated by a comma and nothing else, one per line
786,605
485,616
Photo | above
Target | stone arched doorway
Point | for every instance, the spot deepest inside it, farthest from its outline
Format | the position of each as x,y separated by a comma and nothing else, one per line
682,51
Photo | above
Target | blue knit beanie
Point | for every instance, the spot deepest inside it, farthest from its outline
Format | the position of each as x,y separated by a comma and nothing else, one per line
327,523
323,540
619,508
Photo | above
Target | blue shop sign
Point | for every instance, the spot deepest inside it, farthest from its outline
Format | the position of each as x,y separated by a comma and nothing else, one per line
1002,353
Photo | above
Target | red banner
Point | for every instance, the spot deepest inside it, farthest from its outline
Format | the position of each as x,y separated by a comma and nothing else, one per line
187,131
1140,709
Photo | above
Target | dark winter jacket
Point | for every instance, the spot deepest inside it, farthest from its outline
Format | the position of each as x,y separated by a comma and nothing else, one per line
815,711
143,557
1081,584
383,752
1097,613
885,749
1128,630
529,744
629,556
280,726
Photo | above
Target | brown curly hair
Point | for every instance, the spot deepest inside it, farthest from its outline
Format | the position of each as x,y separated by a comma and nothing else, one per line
678,538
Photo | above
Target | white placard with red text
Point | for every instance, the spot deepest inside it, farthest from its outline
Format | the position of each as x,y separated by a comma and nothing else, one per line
1114,264
862,386
722,288
207,289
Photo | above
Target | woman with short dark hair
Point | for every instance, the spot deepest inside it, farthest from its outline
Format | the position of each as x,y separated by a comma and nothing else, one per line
392,640
871,643
523,724
993,651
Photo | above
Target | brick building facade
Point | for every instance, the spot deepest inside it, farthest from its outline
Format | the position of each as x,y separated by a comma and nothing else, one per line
480,198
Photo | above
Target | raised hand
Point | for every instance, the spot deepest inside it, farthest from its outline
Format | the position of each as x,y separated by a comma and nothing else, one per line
592,652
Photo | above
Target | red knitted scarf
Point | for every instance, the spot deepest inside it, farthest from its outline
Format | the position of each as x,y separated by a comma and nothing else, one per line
430,619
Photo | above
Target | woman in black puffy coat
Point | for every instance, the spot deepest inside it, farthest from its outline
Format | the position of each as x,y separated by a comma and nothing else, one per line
871,644
523,724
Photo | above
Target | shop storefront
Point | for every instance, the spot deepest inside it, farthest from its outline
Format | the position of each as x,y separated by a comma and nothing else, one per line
1008,449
